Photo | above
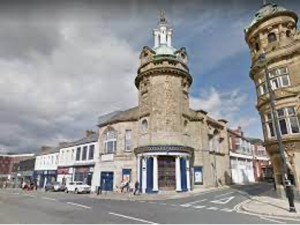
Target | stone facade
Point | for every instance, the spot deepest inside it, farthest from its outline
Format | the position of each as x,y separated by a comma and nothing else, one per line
162,143
274,31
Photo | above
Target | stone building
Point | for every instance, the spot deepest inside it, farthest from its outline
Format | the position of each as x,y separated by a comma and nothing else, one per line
162,143
274,31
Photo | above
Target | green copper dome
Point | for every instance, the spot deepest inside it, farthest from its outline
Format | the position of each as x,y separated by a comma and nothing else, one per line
266,10
164,50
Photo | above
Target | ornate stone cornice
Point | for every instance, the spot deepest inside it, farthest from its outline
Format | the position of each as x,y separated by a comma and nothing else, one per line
163,148
278,54
281,93
162,71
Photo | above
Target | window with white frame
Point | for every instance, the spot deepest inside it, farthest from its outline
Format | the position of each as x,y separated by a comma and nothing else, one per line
279,78
78,153
91,152
110,142
84,153
72,155
287,121
128,140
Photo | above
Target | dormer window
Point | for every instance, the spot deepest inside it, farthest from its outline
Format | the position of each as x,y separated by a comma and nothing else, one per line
272,38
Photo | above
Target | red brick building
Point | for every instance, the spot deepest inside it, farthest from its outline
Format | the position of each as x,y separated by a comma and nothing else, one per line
8,166
261,162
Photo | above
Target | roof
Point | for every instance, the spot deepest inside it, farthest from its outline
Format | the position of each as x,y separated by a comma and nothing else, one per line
266,10
88,139
119,116
164,50
255,140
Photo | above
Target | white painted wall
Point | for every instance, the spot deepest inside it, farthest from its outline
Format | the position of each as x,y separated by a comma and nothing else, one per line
46,162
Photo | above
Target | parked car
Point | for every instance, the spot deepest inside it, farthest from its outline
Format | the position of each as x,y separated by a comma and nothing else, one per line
55,186
78,187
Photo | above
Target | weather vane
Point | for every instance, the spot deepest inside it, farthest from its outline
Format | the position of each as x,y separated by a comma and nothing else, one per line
162,16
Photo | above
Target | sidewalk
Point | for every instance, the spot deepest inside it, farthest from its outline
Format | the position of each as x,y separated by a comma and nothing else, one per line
155,196
270,206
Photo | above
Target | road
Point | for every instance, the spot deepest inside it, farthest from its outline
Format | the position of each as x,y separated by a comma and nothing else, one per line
218,206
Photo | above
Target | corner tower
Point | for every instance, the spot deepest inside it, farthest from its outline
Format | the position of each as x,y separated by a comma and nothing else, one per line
274,31
163,81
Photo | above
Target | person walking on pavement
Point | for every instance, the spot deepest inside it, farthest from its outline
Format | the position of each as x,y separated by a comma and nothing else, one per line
136,187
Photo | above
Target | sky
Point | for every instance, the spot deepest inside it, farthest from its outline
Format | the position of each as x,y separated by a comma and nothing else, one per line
64,63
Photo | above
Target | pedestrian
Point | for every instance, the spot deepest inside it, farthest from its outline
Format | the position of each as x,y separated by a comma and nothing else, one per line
274,184
290,195
123,184
136,187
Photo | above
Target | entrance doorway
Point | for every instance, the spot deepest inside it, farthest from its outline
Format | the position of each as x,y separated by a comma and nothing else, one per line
166,172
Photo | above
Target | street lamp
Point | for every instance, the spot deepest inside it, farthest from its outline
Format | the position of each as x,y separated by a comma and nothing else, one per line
272,99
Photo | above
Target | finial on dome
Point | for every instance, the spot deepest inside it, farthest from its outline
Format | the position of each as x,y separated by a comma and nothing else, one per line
162,16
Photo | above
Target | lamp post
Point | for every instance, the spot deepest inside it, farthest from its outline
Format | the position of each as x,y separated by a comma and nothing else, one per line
272,99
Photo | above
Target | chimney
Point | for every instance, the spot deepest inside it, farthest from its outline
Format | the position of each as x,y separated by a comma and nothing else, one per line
45,149
89,133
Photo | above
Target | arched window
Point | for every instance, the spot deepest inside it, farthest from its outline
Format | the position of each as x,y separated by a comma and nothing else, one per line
256,44
185,125
144,125
272,37
288,33
110,141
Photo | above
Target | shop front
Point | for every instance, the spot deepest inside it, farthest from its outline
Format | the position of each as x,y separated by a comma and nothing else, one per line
84,174
65,175
43,177
164,168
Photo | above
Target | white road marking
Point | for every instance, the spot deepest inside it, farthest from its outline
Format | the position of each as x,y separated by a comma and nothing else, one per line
79,205
51,199
188,204
228,193
131,218
29,195
223,201
227,210
199,206
276,221
213,208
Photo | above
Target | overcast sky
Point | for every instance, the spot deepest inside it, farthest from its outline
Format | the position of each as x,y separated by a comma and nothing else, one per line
64,63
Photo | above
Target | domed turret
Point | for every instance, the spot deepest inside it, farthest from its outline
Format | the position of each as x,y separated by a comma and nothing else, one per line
274,32
272,27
